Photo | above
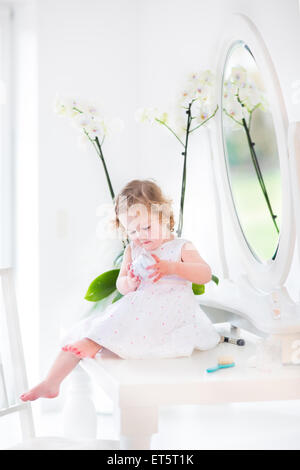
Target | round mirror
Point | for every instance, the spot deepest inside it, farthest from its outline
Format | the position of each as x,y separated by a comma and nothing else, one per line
251,153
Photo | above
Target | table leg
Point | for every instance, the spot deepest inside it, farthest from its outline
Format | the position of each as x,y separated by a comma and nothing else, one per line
136,424
79,414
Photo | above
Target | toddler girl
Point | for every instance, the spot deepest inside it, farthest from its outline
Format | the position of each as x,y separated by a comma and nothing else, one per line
158,315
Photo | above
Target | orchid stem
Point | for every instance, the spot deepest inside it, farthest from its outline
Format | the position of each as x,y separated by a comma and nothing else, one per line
254,156
183,184
171,130
105,169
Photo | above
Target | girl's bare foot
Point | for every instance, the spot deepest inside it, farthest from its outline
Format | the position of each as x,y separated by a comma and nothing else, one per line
43,390
83,348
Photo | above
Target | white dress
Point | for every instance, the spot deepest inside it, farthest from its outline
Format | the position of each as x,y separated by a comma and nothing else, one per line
158,320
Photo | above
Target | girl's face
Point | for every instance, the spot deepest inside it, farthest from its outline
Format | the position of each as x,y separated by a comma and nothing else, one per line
145,230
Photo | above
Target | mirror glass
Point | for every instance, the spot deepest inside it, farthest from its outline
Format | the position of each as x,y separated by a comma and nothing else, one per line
251,152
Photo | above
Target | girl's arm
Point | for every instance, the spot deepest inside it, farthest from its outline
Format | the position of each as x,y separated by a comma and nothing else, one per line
191,267
123,283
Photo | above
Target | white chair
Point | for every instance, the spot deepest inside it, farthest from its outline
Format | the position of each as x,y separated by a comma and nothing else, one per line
13,380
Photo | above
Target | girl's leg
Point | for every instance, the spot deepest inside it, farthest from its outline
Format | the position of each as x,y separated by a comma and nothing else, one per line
67,359
83,348
49,388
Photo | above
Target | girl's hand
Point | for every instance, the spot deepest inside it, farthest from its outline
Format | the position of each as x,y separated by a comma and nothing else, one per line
161,268
132,280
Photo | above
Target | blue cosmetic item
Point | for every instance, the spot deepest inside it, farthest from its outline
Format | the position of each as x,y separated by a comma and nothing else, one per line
220,366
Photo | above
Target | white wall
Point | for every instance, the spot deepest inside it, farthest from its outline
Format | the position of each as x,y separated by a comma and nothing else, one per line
122,54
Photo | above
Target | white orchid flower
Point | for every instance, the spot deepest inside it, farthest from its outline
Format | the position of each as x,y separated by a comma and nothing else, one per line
234,109
204,78
65,107
91,110
83,141
207,78
192,83
203,113
163,116
203,93
188,93
146,115
249,94
198,86
201,110
194,76
255,97
82,120
212,103
199,92
96,128
252,96
264,104
197,107
238,76
150,115
229,89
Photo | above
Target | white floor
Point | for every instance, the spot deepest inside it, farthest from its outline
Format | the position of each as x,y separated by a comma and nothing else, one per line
271,425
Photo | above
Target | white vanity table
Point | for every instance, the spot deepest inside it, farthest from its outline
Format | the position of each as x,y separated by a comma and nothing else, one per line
226,303
257,301
139,388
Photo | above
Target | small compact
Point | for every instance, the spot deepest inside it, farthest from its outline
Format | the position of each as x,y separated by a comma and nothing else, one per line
140,264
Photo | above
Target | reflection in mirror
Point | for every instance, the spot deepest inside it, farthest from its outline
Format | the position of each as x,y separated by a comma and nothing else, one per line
251,152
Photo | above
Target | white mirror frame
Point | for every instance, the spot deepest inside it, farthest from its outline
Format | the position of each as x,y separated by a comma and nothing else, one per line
294,146
269,275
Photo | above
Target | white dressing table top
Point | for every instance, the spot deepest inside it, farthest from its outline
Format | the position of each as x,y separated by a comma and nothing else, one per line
145,382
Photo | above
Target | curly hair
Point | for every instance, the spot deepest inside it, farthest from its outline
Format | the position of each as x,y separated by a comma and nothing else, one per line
147,193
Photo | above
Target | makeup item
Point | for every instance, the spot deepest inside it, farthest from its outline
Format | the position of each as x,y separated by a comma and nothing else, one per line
223,363
236,341
275,304
140,264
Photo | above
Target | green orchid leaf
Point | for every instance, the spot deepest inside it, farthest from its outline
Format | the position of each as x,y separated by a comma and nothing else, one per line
118,260
118,297
198,289
215,279
102,286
